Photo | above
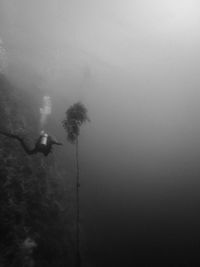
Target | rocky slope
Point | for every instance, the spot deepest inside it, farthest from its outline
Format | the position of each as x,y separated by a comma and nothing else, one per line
34,199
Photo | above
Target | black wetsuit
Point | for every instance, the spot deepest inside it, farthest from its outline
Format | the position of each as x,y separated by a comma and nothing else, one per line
45,148
39,147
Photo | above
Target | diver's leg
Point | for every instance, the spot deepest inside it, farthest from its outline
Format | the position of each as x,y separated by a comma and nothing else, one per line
23,144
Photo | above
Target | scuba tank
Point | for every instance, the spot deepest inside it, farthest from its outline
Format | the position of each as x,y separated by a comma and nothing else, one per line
44,139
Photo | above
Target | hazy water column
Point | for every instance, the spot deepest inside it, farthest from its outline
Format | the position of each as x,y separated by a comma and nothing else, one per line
141,171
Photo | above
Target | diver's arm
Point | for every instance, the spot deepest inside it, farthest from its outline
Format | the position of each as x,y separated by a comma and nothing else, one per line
56,143
53,141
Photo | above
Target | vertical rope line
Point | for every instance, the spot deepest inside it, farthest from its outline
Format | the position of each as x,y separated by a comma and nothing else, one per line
77,206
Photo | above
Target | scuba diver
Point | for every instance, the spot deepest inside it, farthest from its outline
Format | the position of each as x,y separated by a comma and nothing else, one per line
43,144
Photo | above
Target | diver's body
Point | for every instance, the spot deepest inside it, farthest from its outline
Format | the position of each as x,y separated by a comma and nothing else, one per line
43,144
